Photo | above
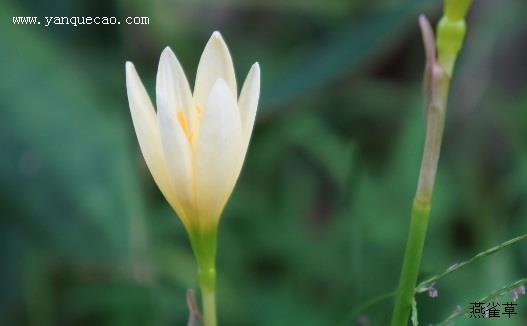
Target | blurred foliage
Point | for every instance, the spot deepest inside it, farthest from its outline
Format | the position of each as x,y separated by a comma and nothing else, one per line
317,223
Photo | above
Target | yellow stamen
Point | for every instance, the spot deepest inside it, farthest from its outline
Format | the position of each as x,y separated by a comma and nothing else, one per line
183,123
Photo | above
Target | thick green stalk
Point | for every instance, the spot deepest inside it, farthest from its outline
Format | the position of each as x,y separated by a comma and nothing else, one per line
207,282
204,247
209,307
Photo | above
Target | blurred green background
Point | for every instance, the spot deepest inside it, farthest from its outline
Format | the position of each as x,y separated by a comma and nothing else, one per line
317,223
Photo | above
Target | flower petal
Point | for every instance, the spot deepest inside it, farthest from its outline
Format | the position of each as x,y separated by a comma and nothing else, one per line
173,95
147,131
215,62
173,90
218,159
178,155
248,103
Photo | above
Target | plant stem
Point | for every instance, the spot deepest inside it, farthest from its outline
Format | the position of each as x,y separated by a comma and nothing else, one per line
209,306
437,83
438,72
412,262
207,282
204,246
422,201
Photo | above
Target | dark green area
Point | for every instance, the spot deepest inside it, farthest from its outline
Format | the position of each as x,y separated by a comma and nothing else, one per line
318,221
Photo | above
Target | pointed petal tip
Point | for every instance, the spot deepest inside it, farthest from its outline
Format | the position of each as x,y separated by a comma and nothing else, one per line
166,60
216,35
129,67
256,67
217,38
167,51
215,62
131,74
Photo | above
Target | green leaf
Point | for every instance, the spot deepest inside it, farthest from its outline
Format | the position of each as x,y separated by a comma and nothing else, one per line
344,52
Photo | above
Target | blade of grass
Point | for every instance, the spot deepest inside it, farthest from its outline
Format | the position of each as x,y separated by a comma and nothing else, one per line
484,299
423,286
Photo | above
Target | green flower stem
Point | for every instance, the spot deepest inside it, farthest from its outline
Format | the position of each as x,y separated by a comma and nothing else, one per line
204,247
451,32
412,261
435,118
209,307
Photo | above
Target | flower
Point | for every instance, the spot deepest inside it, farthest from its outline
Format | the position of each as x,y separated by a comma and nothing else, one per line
517,292
432,291
194,146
